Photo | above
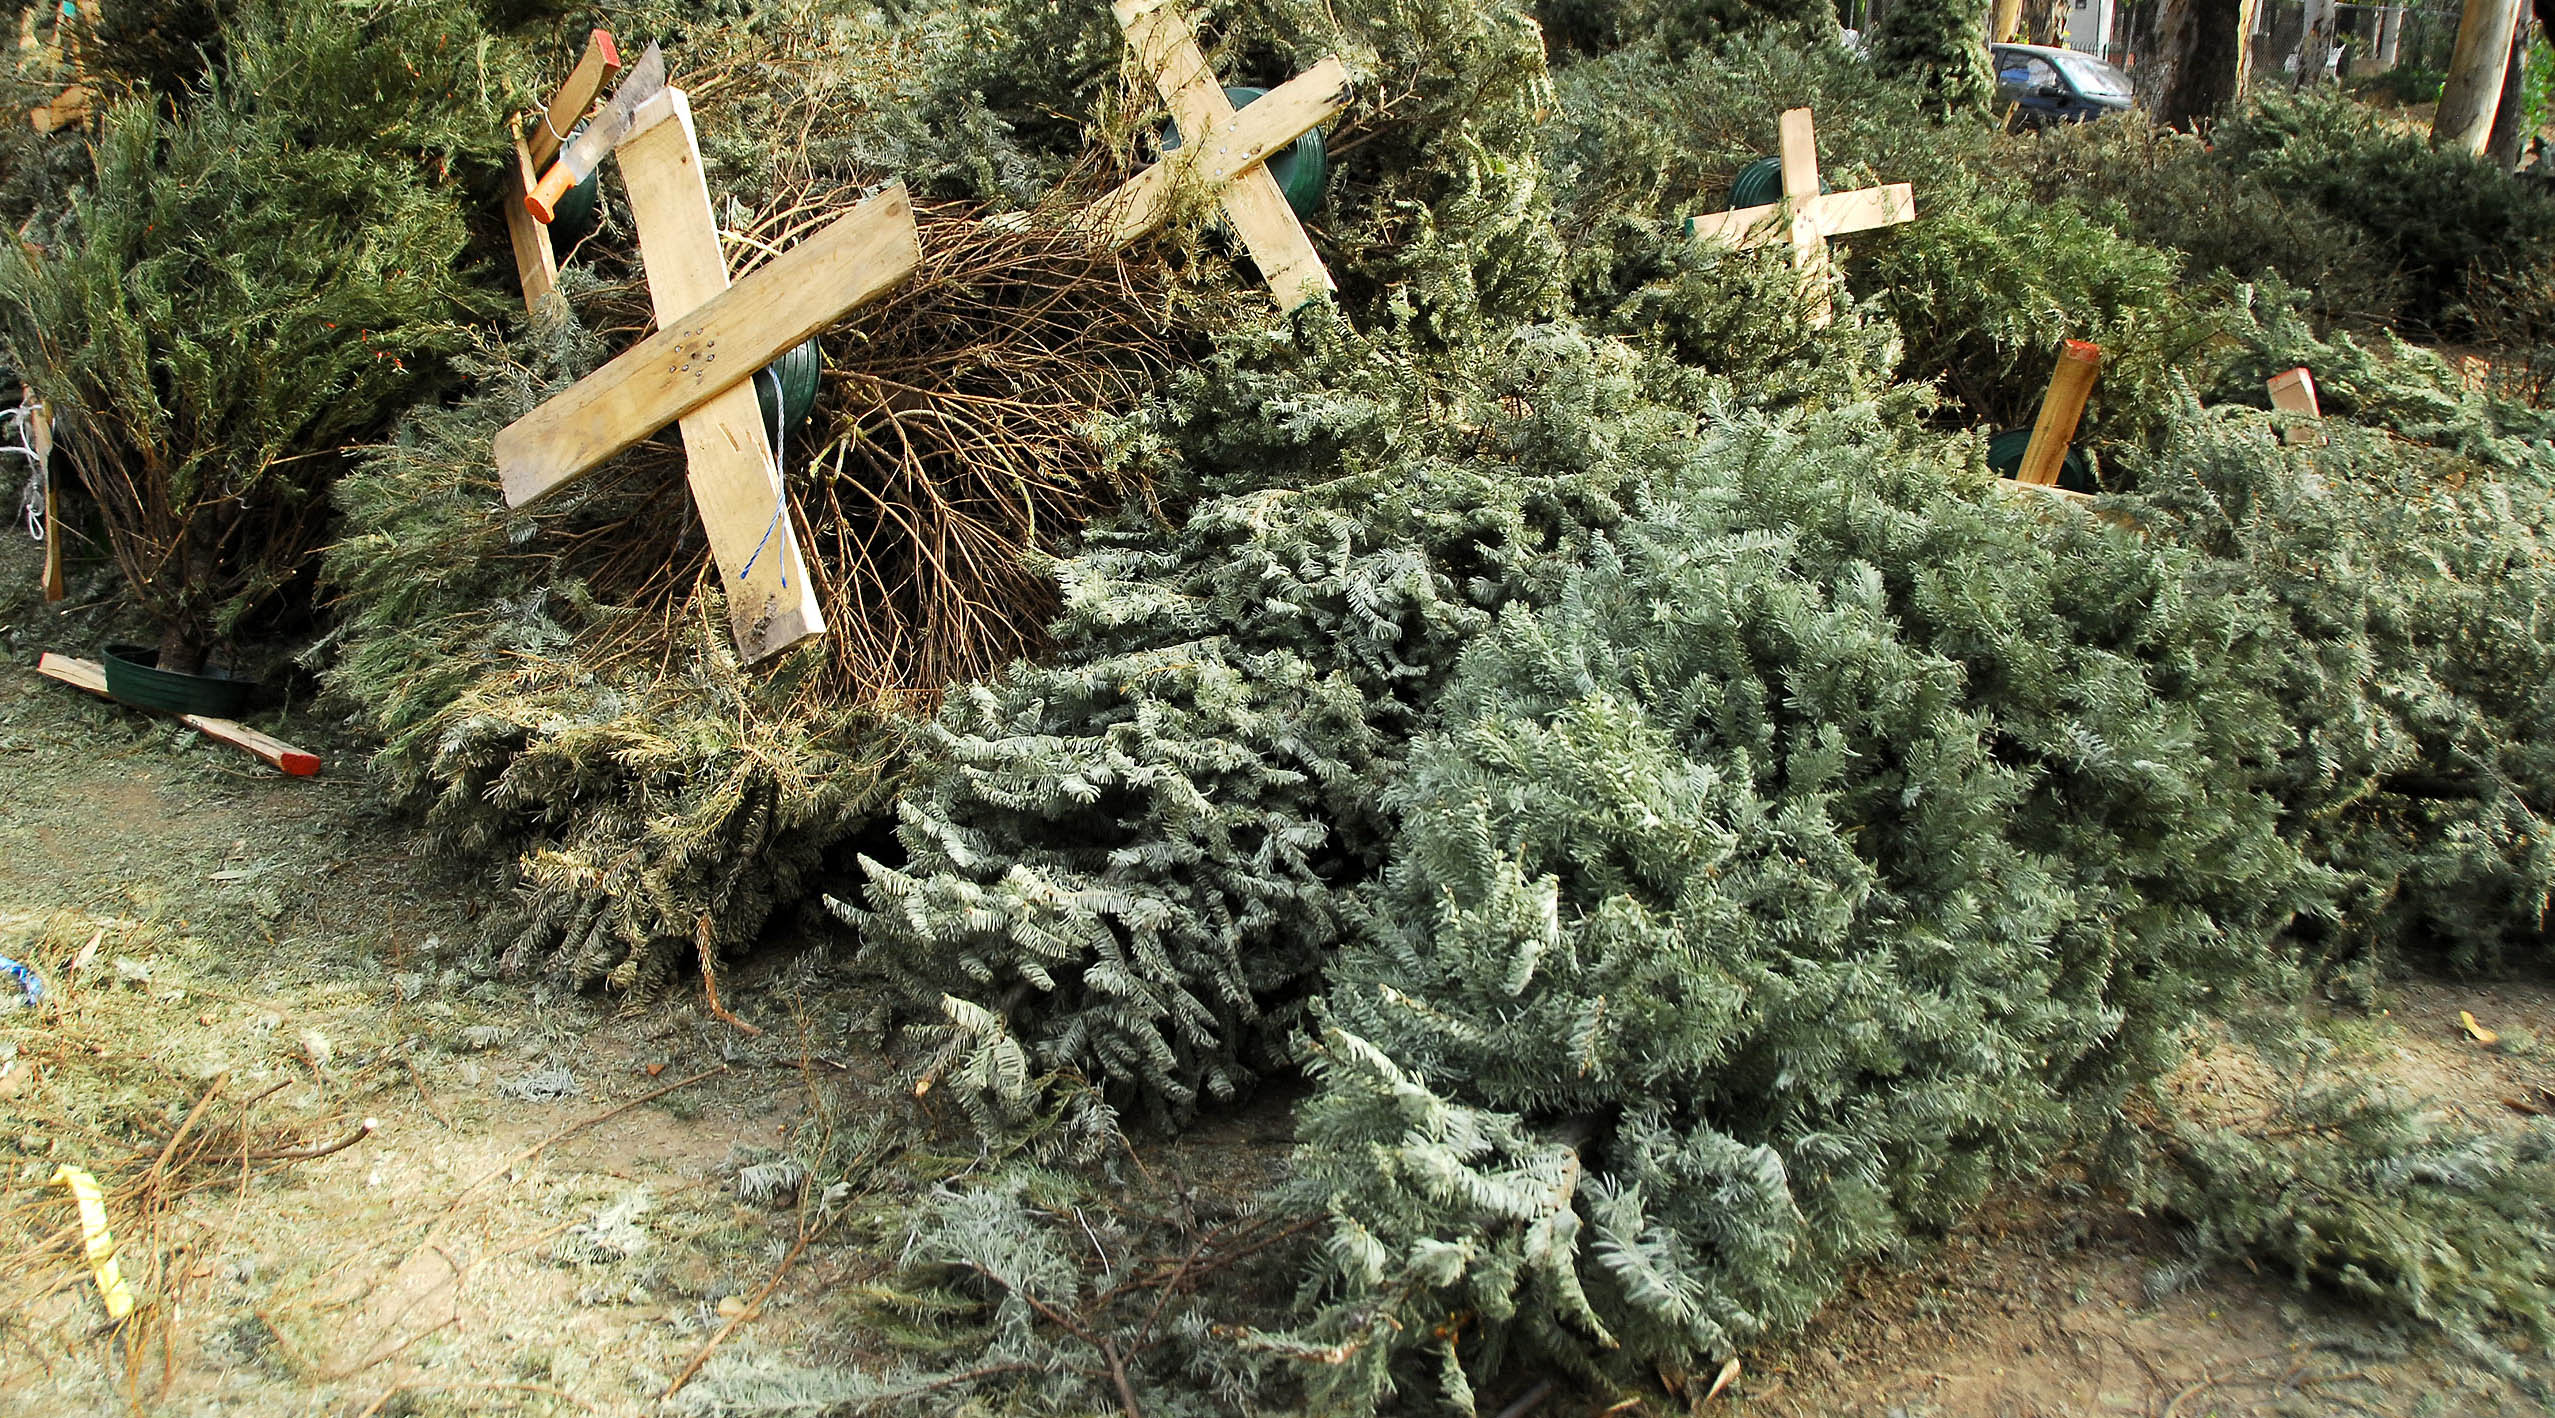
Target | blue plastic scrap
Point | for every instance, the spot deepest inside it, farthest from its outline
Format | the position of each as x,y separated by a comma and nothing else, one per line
25,977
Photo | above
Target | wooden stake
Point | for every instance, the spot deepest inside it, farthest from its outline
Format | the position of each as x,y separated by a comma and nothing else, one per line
35,430
736,484
73,671
595,69
1806,217
2060,409
1168,49
536,261
91,676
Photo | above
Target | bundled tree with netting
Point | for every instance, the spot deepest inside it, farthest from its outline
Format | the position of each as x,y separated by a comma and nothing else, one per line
1840,838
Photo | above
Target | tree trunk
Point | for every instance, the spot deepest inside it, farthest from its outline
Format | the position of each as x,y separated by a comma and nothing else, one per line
2390,30
2005,22
2203,51
183,648
2315,43
2506,140
2134,29
2476,69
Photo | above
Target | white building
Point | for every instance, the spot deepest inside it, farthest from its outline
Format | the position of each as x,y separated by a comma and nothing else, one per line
2089,26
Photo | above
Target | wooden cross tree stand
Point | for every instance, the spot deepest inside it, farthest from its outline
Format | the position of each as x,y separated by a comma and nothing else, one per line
536,262
1806,217
1225,150
699,368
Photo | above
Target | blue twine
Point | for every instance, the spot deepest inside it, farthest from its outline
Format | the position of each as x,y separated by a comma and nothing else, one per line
758,547
779,501
25,977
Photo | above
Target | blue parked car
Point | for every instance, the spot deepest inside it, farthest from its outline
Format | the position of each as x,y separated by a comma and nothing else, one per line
2048,85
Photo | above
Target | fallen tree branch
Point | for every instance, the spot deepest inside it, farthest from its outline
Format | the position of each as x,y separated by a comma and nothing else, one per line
753,1307
710,980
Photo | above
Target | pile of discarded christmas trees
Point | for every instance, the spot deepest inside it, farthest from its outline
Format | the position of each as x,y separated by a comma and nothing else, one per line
1462,558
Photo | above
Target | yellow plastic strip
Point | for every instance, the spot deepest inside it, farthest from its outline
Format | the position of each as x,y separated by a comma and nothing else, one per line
95,1239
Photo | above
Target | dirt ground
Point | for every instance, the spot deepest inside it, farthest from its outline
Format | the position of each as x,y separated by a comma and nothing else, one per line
539,1205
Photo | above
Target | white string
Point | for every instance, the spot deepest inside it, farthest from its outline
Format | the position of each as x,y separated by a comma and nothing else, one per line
32,499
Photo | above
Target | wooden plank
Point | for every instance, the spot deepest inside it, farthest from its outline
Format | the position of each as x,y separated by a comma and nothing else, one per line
739,495
1258,209
1168,49
1837,214
2293,394
1799,147
2060,409
709,347
71,670
55,586
1287,112
91,676
736,485
1864,209
292,760
536,262
1800,150
64,109
585,82
1741,226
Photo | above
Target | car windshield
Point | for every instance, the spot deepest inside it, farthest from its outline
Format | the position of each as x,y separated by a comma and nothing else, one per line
2093,77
